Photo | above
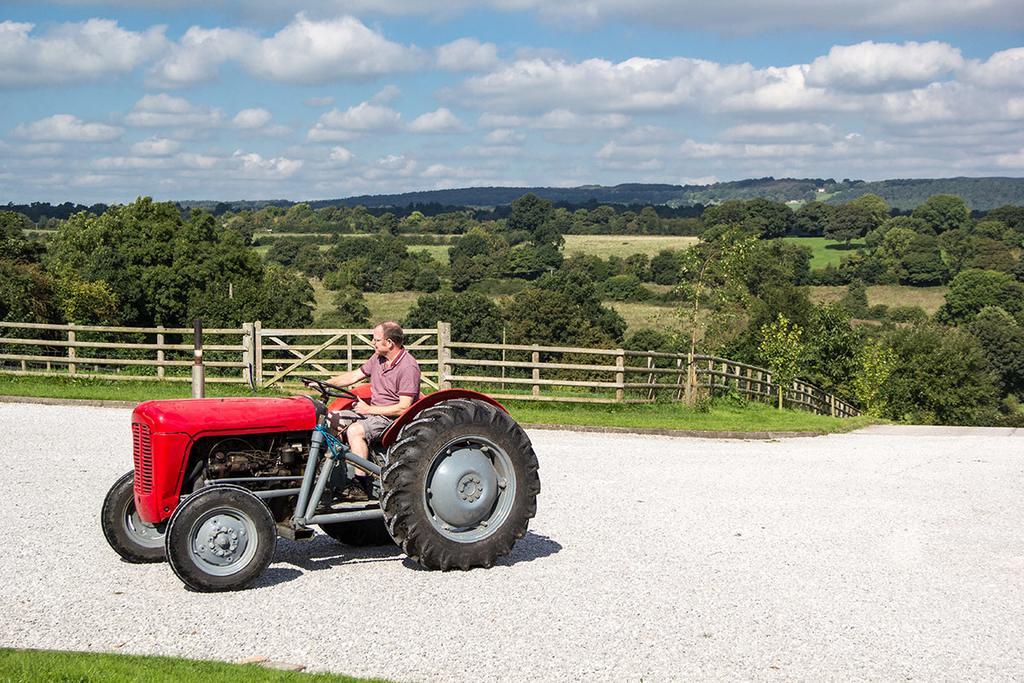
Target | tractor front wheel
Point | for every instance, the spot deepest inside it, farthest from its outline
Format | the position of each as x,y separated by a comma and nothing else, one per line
220,538
130,537
461,485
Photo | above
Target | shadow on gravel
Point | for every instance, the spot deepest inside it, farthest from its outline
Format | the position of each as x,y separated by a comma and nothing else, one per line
323,552
530,547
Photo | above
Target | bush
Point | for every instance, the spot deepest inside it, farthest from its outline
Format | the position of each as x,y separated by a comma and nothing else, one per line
941,377
623,288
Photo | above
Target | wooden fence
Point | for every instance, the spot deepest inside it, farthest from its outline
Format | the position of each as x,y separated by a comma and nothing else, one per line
262,357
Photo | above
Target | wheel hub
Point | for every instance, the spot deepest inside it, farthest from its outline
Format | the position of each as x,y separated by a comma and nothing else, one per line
220,541
463,488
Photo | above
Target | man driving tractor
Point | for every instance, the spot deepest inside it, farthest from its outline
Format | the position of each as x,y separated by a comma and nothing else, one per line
394,385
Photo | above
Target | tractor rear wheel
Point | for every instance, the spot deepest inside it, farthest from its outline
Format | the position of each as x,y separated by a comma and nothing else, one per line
220,538
130,537
461,485
361,533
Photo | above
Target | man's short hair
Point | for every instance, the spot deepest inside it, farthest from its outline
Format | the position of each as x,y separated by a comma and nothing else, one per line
393,331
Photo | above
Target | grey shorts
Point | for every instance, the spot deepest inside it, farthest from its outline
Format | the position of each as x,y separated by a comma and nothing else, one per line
373,425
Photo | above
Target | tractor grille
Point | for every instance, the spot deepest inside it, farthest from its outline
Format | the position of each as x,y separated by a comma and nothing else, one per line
142,452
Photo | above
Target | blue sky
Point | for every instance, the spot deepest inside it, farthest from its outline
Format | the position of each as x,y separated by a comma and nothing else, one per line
332,98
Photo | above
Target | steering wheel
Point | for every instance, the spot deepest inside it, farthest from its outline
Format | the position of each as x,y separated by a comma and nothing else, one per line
328,390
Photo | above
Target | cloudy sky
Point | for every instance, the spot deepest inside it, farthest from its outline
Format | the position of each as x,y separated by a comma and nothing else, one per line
219,99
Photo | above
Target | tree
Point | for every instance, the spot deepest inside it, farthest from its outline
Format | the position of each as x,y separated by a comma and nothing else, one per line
941,376
14,245
943,212
666,267
972,290
473,316
876,207
875,363
855,300
780,349
770,219
832,345
922,263
812,218
849,222
348,310
1002,340
536,217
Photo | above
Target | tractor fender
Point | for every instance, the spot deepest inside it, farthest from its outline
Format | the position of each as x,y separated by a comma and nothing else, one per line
389,435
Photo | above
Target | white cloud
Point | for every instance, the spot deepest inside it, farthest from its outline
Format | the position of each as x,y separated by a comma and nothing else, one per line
164,110
796,130
634,85
304,51
73,52
439,121
308,51
467,54
155,147
385,95
255,166
67,128
339,126
872,67
199,54
340,155
250,119
1003,69
563,119
504,135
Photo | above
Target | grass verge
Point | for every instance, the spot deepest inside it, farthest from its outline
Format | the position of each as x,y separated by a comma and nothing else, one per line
720,416
717,415
50,665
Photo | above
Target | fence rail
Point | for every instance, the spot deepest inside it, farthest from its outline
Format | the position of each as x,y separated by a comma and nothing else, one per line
262,357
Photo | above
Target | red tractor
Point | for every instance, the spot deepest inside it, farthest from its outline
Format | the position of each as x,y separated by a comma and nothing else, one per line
216,481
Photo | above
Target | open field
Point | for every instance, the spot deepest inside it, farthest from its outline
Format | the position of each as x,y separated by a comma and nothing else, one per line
640,315
388,306
865,556
624,245
824,251
927,298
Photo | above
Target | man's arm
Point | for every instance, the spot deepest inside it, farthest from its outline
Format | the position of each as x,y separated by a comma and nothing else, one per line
393,410
346,378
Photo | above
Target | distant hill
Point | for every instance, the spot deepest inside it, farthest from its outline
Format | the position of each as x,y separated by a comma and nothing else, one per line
982,194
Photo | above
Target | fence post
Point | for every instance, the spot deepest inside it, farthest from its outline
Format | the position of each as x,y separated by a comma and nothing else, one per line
444,354
620,375
651,391
257,354
535,358
198,371
690,387
72,351
248,376
160,352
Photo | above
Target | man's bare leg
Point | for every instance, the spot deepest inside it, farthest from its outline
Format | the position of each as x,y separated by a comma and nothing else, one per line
357,444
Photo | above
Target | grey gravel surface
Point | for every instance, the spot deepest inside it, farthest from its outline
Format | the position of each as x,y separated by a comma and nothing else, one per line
863,556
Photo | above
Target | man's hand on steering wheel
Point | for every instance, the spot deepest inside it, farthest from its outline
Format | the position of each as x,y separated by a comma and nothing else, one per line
328,390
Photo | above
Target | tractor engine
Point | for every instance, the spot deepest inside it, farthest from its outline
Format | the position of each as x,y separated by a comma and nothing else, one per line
267,456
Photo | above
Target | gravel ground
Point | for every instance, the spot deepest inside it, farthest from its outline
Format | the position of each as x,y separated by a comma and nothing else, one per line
867,556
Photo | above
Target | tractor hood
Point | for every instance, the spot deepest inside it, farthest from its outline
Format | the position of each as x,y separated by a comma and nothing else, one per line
199,416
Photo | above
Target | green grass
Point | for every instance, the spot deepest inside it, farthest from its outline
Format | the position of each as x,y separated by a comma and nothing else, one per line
624,245
723,415
114,390
927,298
84,667
824,251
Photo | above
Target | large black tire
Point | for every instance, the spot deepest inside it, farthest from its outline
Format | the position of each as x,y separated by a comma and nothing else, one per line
127,534
220,538
361,533
461,485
